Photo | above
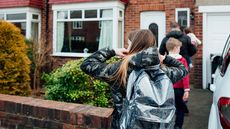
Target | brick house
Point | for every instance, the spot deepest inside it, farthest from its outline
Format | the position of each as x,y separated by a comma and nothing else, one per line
76,28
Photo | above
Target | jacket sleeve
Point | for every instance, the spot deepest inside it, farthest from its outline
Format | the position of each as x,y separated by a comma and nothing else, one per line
174,69
185,80
191,48
162,49
96,66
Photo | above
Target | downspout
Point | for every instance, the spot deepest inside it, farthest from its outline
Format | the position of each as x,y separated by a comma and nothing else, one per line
47,19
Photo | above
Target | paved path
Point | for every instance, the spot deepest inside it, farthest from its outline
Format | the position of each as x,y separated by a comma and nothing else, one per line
199,106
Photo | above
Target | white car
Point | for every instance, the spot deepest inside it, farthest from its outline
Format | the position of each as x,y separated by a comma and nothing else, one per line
219,117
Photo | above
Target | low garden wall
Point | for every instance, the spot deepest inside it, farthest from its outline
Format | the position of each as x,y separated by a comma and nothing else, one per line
29,113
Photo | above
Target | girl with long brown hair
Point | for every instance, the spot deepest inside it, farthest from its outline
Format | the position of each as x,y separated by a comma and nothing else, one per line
141,53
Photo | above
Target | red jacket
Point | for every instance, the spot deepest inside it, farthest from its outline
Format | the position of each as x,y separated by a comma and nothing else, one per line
183,83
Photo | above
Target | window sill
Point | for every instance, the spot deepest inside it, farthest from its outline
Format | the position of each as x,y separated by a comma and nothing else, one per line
62,54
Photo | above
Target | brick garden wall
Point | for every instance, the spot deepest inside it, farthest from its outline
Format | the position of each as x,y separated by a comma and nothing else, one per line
29,113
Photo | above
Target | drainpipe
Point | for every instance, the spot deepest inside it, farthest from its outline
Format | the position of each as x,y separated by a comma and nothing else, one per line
47,18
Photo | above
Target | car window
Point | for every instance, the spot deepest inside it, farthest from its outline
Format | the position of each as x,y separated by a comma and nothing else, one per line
225,57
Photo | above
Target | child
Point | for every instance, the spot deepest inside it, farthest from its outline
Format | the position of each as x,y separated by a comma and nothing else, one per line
194,40
141,53
181,88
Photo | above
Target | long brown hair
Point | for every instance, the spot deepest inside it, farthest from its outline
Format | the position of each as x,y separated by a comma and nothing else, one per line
140,40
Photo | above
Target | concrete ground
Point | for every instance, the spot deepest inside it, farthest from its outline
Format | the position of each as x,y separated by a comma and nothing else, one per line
199,105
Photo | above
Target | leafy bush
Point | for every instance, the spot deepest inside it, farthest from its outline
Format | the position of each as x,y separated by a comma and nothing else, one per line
14,63
68,83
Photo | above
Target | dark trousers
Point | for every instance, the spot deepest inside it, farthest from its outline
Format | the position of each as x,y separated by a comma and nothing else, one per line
180,107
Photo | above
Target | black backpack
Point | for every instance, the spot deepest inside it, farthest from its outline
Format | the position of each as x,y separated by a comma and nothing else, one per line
149,102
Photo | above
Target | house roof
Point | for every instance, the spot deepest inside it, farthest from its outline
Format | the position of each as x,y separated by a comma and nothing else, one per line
80,1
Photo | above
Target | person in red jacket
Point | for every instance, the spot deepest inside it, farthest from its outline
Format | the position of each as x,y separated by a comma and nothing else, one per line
181,88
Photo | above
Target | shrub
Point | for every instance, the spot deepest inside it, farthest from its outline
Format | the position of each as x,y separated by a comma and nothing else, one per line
14,63
68,83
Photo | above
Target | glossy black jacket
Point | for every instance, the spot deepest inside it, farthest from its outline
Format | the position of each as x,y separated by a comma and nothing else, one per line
95,66
187,49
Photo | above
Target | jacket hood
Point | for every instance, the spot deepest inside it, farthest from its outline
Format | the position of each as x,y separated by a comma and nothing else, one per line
175,34
145,58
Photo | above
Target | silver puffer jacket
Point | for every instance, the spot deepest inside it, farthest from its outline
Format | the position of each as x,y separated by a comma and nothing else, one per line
96,66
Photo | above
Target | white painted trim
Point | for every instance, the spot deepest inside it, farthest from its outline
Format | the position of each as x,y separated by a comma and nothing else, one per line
89,5
204,72
19,10
54,32
67,54
188,14
28,25
88,19
115,27
29,11
217,8
116,6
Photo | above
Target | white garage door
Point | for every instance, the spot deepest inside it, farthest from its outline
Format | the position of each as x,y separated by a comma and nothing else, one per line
217,29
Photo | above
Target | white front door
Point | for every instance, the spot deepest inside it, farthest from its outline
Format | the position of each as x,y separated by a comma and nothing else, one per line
216,30
155,21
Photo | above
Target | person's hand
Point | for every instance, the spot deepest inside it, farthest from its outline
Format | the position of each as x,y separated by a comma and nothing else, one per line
186,95
161,57
121,52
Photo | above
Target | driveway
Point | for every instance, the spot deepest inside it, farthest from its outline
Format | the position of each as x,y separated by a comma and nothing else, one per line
199,105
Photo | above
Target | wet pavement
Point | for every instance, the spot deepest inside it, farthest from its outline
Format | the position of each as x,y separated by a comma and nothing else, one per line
199,105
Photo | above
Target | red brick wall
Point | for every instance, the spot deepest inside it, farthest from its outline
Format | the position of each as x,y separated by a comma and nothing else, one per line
197,78
78,1
25,113
132,22
20,3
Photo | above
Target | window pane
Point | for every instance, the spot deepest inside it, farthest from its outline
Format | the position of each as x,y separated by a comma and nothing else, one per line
106,13
120,43
75,14
35,16
21,26
120,14
62,14
1,16
90,13
182,18
19,16
34,31
77,25
85,40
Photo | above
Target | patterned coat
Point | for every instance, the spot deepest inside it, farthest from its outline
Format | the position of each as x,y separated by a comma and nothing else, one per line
95,66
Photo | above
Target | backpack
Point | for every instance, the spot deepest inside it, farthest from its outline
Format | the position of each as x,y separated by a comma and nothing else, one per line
149,102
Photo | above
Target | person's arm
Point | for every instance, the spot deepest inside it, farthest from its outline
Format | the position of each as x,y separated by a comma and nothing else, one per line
191,48
175,70
96,66
186,78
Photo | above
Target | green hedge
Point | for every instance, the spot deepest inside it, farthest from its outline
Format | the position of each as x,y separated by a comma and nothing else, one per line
14,63
68,83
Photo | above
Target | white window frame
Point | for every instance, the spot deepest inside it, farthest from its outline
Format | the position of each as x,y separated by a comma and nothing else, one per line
188,14
29,12
114,5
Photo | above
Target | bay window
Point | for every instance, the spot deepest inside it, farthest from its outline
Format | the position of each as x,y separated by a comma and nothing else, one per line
81,29
26,19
